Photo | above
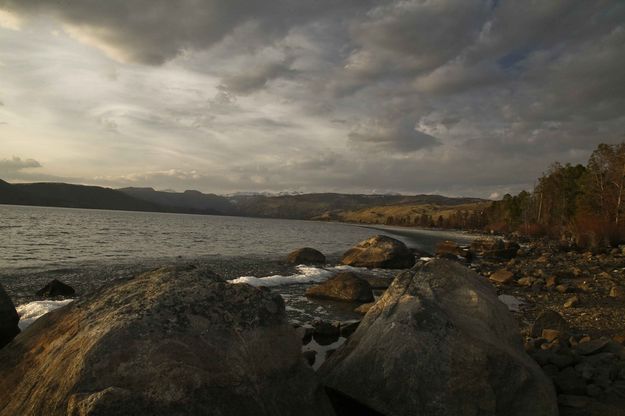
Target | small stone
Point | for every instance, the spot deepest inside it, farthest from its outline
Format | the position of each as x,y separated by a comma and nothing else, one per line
550,334
548,320
563,288
526,281
306,255
502,276
551,281
617,292
571,302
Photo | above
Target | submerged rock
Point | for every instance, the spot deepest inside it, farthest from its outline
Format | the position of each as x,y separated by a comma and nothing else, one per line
56,288
8,319
379,252
439,342
172,341
345,286
306,255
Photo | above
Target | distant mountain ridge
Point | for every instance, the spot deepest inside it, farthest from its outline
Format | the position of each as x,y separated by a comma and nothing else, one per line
325,206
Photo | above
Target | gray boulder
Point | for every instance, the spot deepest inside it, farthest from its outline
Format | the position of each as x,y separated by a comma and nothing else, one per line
345,287
175,341
379,252
439,343
8,319
306,255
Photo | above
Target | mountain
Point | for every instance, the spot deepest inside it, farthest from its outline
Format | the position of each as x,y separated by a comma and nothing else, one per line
71,196
319,206
187,201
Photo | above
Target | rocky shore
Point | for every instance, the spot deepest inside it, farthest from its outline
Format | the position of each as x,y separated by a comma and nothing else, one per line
436,340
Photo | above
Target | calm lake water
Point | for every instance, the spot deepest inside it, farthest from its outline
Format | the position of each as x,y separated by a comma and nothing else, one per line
44,237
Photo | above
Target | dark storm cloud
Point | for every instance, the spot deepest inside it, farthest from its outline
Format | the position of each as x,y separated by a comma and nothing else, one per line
406,95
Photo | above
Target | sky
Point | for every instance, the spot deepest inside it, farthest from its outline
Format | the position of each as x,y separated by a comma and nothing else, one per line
455,97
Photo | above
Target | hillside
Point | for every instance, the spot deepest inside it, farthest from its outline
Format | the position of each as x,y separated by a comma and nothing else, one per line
405,214
187,201
71,196
332,206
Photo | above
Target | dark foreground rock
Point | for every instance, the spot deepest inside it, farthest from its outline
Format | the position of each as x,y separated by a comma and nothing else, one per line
379,252
8,319
169,342
439,343
56,288
306,255
345,287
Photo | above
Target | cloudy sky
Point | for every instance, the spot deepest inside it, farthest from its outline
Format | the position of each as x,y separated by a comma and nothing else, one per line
459,97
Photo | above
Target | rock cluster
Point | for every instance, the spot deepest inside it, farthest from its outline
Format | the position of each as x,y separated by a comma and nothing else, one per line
587,372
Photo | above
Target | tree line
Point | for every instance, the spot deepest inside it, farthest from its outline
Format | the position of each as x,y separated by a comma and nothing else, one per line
582,204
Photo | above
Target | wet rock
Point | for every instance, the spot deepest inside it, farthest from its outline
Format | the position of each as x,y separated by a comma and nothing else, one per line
549,320
173,341
56,288
345,286
440,332
379,252
8,319
306,255
502,276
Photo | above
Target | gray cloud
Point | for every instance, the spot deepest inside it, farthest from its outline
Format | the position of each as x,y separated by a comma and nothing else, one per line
354,95
15,164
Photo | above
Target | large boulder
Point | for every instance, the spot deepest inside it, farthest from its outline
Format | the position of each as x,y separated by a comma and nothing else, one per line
379,251
439,342
306,255
345,286
175,341
8,319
